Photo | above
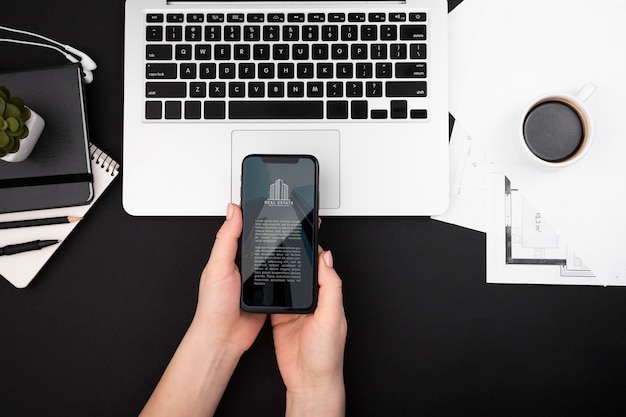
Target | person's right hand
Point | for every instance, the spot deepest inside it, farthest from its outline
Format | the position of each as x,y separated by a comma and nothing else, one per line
310,349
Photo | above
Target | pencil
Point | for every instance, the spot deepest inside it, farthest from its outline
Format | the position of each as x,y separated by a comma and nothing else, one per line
38,222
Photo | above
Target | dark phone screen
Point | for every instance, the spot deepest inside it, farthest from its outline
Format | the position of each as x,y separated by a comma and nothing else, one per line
279,239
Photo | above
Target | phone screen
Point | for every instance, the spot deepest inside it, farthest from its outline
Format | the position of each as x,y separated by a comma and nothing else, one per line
279,200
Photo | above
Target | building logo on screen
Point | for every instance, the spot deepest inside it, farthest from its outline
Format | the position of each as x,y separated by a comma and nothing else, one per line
279,195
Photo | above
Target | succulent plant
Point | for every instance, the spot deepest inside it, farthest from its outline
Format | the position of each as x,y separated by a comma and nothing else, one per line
13,116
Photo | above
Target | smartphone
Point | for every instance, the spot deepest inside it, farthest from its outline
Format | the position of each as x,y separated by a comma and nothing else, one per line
279,201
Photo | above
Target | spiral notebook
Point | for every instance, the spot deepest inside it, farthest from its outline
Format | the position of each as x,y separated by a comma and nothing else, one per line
20,269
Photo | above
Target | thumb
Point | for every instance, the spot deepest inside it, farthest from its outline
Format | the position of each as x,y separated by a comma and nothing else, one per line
330,300
227,238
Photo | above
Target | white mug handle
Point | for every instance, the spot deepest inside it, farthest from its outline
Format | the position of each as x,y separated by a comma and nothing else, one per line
586,92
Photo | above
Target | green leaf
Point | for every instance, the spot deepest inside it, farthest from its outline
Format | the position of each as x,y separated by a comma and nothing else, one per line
18,101
4,93
3,124
3,105
13,146
4,139
13,124
11,111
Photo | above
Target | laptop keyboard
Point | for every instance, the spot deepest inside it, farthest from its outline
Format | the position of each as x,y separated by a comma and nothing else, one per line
289,66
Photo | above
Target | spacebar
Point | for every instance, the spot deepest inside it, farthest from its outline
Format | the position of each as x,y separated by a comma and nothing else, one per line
276,109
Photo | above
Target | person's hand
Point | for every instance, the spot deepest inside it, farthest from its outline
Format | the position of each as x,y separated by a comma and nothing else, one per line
197,375
310,349
220,286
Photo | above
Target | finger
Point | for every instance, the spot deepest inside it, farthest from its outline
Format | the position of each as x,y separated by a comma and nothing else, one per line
227,238
330,300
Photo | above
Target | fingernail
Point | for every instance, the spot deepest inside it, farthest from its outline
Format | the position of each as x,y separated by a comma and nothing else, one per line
328,259
229,211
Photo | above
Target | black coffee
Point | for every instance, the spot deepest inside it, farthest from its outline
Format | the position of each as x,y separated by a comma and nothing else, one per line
553,131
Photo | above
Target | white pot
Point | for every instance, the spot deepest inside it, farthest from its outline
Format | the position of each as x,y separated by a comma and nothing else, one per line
35,126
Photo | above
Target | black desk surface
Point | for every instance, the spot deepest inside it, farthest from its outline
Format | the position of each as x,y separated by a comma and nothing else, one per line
427,337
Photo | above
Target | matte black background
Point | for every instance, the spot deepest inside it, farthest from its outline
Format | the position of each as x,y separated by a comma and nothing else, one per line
427,337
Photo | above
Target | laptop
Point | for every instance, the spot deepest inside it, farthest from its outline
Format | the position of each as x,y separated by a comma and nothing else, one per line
361,85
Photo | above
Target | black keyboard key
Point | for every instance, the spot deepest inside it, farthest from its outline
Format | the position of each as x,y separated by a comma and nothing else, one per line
154,33
266,70
369,33
217,89
349,32
354,89
188,71
358,109
271,33
398,109
154,18
215,17
252,33
397,17
364,70
314,89
286,70
173,33
173,110
304,70
256,89
154,110
320,51
356,17
214,110
300,51
202,52
195,18
281,52
295,17
417,51
183,52
237,89
242,52
193,110
336,17
295,89
383,70
405,88
226,71
291,33
417,17
232,33
374,89
419,114
161,71
358,51
222,52
389,32
334,89
261,52
379,114
284,109
213,33
310,33
376,17
339,51
276,89
208,71
197,89
410,70
276,17
325,70
337,109
247,71
193,33
235,17
256,17
344,70
175,18
379,51
330,33
166,89
397,51
413,32
316,17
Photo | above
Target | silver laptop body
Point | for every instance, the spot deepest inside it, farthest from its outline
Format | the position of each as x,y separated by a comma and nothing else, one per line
360,85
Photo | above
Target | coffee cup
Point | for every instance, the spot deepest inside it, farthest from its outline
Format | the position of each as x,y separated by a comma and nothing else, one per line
557,129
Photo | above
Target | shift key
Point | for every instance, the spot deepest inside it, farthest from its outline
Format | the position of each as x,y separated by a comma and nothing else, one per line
166,90
405,88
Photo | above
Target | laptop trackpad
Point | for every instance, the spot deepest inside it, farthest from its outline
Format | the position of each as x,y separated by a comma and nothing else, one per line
323,144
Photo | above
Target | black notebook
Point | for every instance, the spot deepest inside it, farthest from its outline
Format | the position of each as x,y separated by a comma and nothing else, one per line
58,171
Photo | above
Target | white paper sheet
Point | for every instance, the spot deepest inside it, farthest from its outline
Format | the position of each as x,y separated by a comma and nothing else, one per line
503,54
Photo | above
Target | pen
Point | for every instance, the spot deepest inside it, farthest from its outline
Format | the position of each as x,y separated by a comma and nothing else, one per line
25,247
38,222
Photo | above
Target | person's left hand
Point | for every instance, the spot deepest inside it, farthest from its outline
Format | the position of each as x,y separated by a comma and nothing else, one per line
220,285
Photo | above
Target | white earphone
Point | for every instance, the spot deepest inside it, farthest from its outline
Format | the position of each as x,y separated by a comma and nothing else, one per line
72,54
